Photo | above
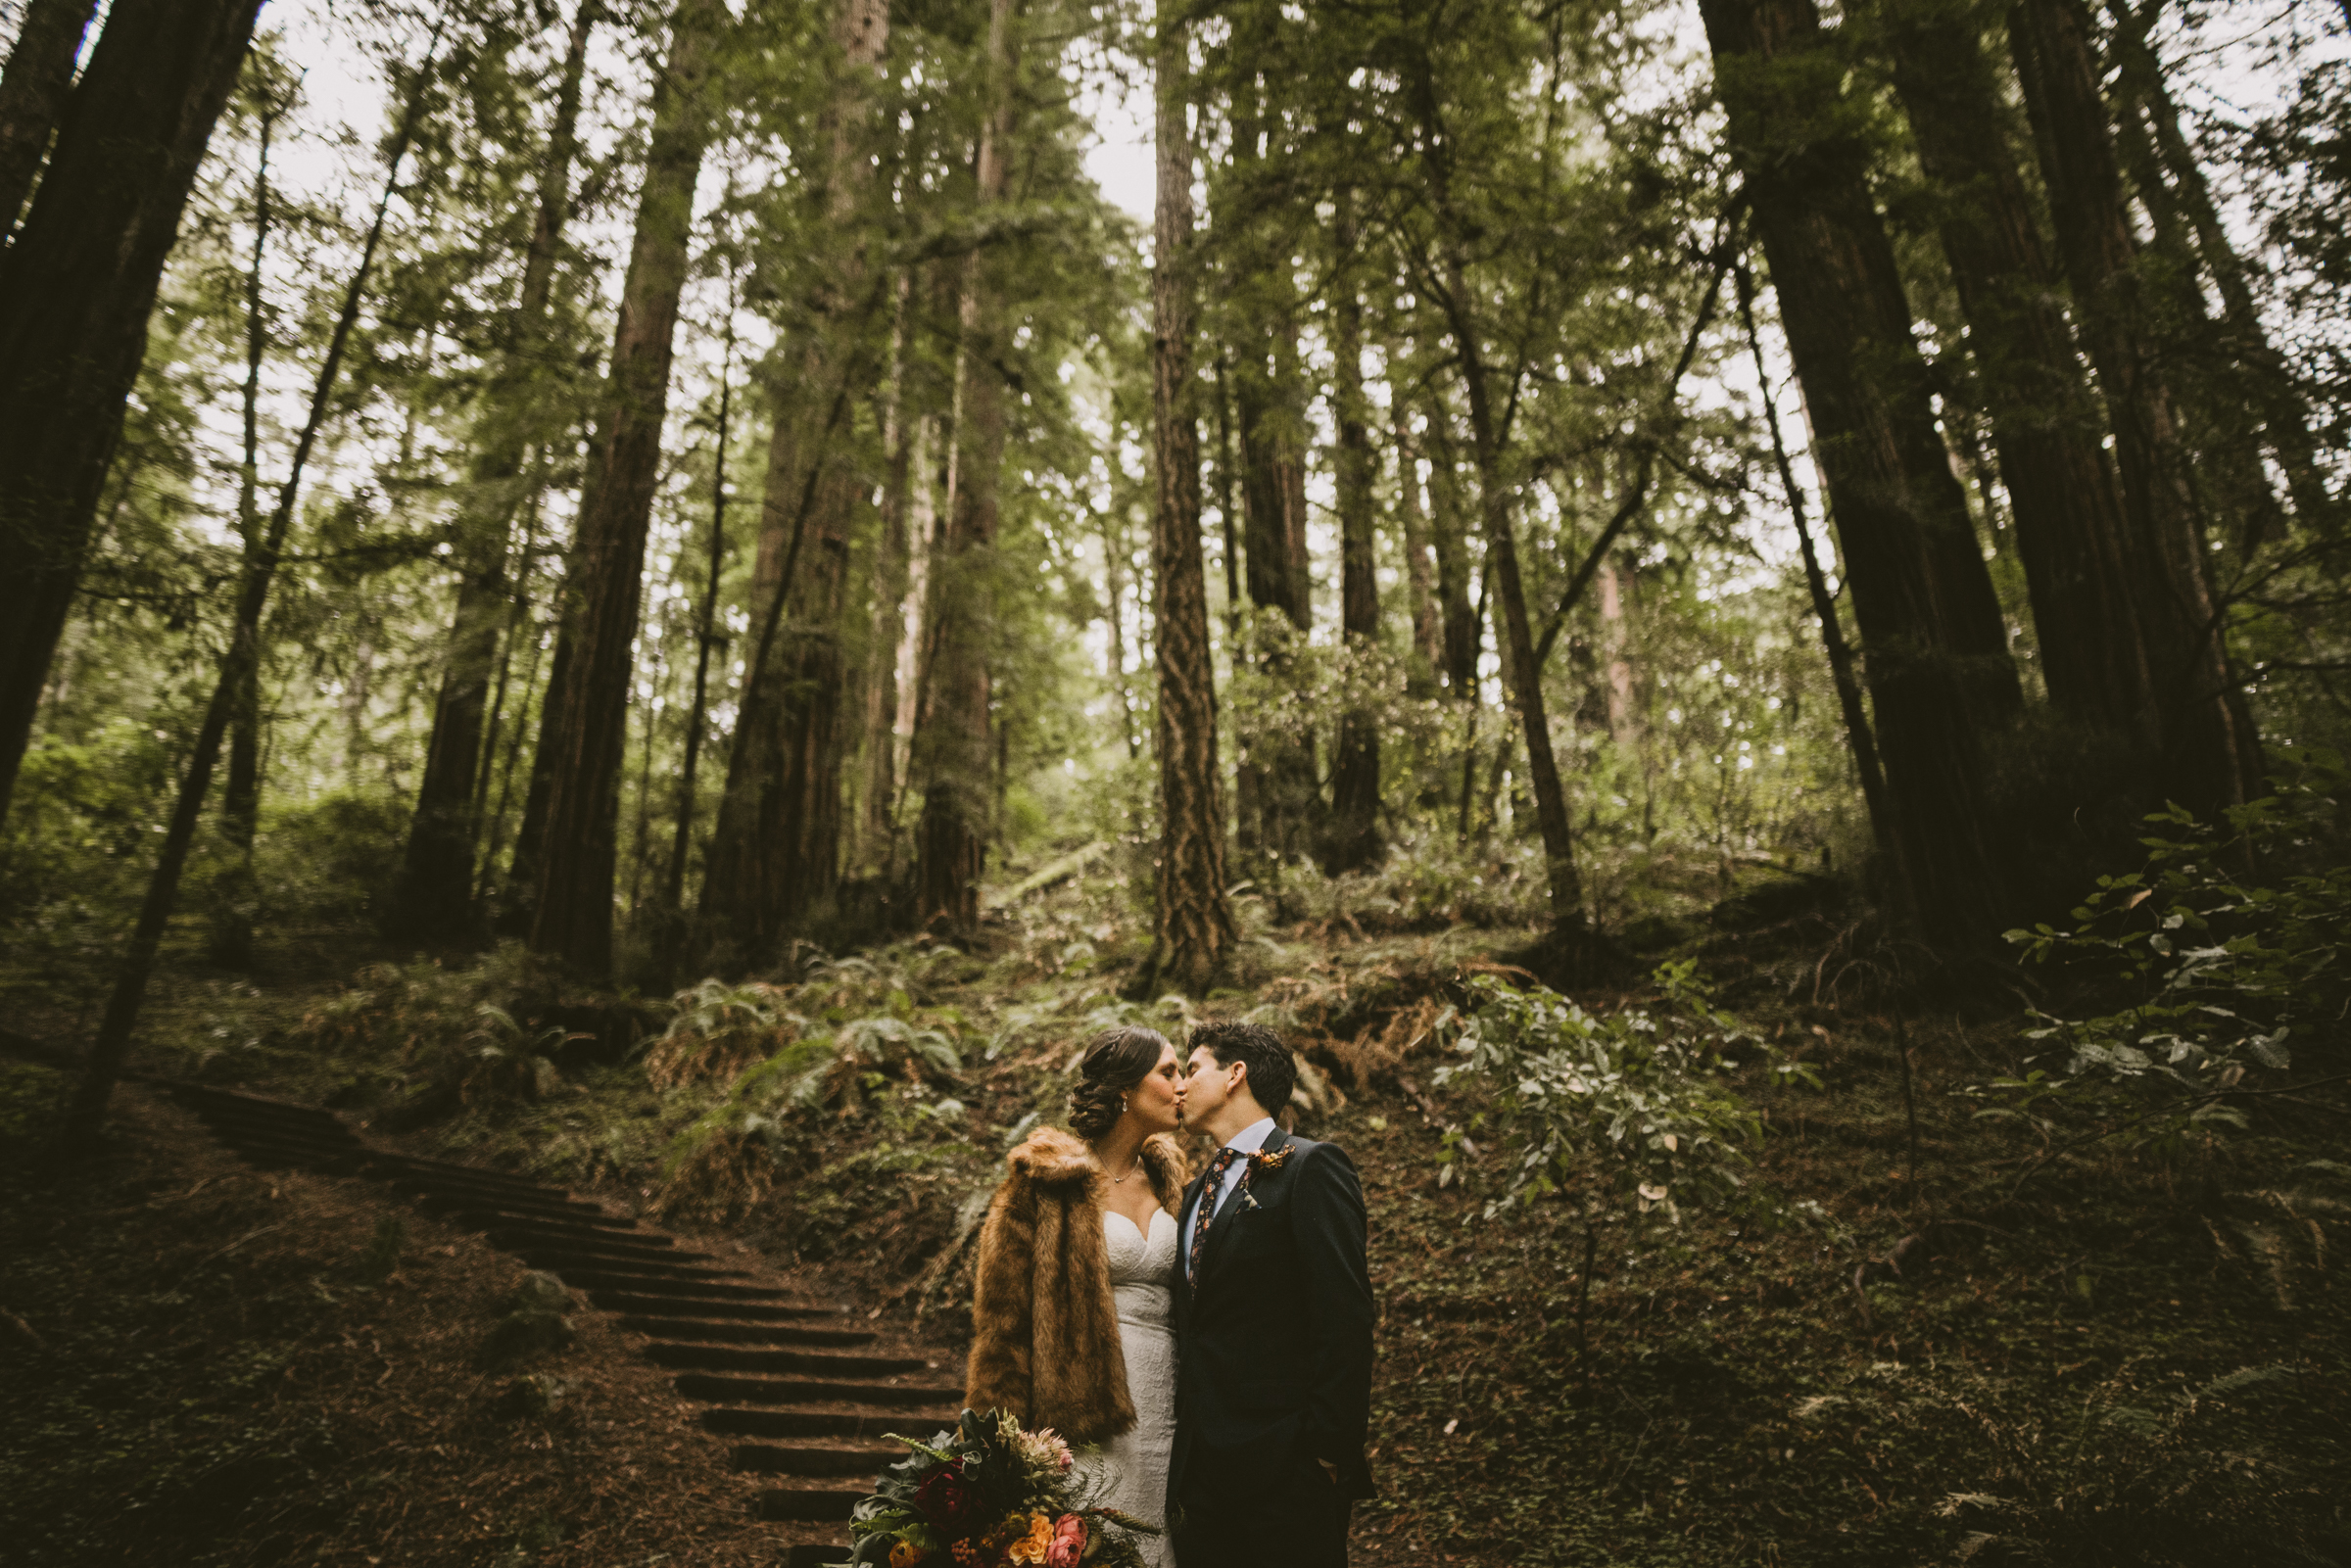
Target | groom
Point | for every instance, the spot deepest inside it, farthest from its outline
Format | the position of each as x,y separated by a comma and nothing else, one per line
1274,1324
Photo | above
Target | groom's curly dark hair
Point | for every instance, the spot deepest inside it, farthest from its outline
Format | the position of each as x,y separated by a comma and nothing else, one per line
1272,1070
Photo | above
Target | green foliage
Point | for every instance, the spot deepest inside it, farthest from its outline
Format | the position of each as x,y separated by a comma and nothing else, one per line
1628,1109
719,1030
2226,944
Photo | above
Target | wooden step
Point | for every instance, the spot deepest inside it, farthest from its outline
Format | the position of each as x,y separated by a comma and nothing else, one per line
695,1328
834,1364
646,1246
841,1421
705,1288
817,1459
720,1389
688,1303
823,1499
563,1259
486,1212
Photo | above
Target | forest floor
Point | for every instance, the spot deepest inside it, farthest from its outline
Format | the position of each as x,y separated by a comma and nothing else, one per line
2019,1350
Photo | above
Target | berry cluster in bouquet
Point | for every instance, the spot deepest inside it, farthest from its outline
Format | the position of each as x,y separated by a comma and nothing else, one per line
990,1494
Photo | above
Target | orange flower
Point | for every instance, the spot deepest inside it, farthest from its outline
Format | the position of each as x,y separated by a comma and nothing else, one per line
1033,1546
905,1554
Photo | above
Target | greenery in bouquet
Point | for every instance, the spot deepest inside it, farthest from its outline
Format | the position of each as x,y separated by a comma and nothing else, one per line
990,1494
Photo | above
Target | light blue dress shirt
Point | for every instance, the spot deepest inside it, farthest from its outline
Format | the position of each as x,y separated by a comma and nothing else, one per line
1249,1140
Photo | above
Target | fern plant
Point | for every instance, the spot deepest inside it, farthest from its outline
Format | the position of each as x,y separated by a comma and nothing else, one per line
2227,949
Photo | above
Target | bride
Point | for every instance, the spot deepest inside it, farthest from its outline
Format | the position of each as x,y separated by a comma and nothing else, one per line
1070,1314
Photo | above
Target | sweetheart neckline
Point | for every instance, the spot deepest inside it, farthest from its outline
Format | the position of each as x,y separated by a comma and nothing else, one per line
1156,1214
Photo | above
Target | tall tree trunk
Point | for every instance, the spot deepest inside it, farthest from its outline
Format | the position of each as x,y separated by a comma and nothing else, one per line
1194,932
112,1047
706,629
75,289
1450,529
1429,633
2266,380
1858,736
240,806
1114,592
2212,752
1888,476
573,917
434,900
32,94
1354,843
957,748
2045,423
885,634
776,853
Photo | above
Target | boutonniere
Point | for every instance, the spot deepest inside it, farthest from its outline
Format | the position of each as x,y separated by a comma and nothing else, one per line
1270,1159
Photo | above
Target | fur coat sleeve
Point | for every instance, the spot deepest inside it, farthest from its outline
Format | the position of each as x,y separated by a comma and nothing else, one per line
1045,1325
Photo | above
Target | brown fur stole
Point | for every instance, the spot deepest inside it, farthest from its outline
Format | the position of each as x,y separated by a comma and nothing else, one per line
1044,1327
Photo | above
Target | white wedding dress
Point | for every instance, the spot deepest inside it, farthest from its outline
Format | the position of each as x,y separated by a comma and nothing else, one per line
1129,1473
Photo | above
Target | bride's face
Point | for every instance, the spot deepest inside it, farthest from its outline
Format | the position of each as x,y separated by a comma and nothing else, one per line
1153,1101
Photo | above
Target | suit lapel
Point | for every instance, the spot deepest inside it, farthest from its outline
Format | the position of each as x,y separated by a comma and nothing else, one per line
1222,1226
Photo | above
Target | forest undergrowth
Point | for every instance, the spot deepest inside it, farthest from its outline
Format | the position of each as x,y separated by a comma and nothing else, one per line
1924,1302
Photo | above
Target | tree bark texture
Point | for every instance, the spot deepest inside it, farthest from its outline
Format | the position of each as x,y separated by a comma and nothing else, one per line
231,941
1354,843
706,627
75,289
958,754
1195,933
32,94
573,917
2045,423
1450,529
435,898
886,629
776,853
1888,476
2212,753
1420,581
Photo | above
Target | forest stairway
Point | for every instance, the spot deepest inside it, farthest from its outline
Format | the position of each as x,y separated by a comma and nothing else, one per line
807,1398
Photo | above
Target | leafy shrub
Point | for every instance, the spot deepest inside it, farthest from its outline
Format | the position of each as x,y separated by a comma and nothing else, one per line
1627,1109
723,1164
2219,967
439,1024
719,1030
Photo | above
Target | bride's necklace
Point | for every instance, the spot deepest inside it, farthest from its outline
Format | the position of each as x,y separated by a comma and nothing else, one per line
1131,1168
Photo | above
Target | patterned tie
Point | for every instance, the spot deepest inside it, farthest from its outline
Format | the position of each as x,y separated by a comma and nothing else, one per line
1210,1191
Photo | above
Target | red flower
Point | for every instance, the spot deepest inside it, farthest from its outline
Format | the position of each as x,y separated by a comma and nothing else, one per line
947,1499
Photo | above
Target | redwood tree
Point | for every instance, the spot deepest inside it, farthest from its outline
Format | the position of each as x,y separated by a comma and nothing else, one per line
76,288
2045,423
32,94
1195,931
2212,753
776,855
435,897
1889,482
954,732
583,734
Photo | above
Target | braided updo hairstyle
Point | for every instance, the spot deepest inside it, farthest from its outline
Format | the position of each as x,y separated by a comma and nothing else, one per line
1115,1062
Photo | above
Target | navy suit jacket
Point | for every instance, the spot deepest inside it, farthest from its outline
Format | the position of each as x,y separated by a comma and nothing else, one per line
1273,1336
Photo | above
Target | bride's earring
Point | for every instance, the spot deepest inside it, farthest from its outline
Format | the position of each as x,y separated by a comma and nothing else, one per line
1124,1108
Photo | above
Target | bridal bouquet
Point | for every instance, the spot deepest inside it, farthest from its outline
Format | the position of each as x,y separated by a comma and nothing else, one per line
990,1494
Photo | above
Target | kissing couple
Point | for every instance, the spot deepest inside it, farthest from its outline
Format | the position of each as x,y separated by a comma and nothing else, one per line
1212,1335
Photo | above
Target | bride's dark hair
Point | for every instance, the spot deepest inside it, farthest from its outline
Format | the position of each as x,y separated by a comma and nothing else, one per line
1115,1062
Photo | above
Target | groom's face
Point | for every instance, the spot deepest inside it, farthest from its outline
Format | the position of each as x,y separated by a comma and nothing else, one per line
1207,1084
